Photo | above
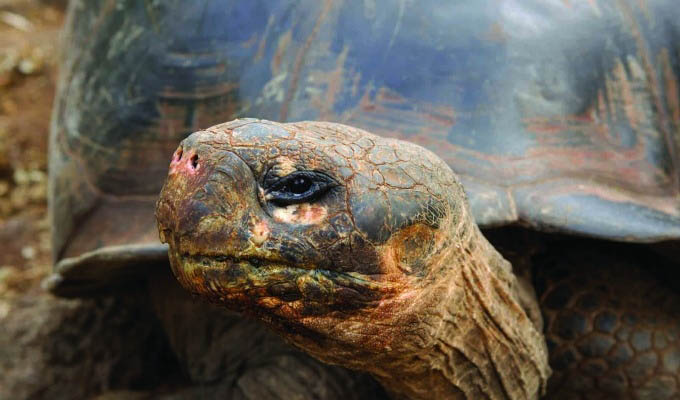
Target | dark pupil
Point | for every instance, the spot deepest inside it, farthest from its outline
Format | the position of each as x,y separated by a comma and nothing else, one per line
299,185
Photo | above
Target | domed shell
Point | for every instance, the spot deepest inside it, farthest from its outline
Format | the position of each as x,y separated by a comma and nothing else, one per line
562,116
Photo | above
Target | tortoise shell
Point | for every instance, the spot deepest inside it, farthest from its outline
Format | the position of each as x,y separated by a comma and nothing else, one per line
560,116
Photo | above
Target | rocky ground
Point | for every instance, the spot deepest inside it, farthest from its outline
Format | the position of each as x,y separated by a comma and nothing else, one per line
29,32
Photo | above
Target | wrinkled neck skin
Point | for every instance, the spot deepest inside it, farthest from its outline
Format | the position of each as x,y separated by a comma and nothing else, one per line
460,334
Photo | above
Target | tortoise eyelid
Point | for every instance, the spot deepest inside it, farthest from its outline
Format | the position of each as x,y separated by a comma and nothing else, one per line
320,184
316,176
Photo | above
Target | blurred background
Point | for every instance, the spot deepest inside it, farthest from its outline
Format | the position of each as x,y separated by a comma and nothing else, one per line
29,49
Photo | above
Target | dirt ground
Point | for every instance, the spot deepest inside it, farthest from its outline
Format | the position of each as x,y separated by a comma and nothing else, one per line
29,49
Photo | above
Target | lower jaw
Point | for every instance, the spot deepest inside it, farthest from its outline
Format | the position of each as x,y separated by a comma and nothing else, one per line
288,299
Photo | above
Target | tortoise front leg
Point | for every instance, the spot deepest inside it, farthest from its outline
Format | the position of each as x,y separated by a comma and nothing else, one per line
612,322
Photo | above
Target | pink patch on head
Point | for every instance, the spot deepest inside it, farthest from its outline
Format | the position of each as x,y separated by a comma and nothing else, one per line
304,214
184,163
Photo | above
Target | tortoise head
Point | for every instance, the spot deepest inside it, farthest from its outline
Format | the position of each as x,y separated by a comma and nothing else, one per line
328,233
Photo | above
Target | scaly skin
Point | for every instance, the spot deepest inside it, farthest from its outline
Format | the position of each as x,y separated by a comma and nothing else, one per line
385,271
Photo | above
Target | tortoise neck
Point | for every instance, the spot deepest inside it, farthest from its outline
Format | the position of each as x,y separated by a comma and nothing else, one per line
473,338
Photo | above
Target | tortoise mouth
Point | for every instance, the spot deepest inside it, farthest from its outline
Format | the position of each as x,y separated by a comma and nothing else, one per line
244,282
216,260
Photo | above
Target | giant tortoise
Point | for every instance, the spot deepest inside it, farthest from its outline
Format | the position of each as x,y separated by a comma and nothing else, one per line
560,119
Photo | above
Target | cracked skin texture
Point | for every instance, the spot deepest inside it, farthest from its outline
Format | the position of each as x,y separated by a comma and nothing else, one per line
385,272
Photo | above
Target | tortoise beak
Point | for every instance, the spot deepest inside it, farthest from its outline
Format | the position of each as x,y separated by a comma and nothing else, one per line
206,201
176,207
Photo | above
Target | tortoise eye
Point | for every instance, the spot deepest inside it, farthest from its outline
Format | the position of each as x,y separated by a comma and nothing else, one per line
299,187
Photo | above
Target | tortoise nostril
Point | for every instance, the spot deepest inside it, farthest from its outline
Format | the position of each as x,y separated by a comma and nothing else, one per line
194,161
178,154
